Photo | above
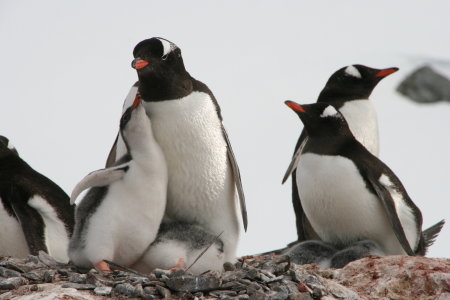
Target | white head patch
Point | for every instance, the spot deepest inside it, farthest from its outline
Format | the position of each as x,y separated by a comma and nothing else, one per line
10,146
384,180
167,46
352,71
330,111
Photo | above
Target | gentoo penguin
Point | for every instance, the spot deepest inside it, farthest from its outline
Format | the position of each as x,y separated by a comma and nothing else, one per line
35,213
370,204
348,89
187,123
121,213
178,245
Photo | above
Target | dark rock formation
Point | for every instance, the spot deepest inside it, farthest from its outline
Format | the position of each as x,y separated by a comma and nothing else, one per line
262,277
425,85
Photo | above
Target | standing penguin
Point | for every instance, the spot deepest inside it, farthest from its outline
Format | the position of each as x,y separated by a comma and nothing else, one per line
348,89
121,213
187,123
35,213
370,204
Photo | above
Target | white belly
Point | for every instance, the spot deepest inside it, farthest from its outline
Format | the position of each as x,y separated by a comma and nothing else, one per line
362,120
201,187
56,235
338,205
128,218
12,239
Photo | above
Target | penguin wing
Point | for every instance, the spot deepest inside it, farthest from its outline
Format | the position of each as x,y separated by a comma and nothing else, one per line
99,178
30,220
382,190
298,150
237,178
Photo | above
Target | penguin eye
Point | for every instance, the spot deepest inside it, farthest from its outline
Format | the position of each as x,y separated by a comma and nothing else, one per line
164,57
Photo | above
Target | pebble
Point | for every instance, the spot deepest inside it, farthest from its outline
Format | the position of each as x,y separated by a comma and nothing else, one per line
49,275
79,286
77,278
47,259
193,284
4,272
12,283
103,290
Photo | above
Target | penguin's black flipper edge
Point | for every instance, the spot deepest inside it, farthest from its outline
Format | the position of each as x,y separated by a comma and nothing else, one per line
237,179
298,150
99,178
112,153
31,222
389,206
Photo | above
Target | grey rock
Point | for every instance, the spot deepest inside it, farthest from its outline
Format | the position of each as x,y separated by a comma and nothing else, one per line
103,290
127,289
34,276
165,293
223,294
229,266
193,284
77,278
79,286
4,272
47,259
49,276
279,293
12,283
425,85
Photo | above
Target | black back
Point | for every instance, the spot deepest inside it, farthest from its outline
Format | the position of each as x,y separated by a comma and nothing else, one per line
18,183
332,136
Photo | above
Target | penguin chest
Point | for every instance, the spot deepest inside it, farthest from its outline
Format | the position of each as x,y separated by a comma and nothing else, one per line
336,201
12,238
362,120
190,133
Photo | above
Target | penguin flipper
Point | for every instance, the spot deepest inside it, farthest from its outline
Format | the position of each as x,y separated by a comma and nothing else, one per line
389,206
31,222
295,158
237,178
112,153
99,178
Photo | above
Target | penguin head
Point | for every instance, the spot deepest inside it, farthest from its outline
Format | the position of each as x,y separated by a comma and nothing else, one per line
161,70
134,119
353,82
6,146
320,119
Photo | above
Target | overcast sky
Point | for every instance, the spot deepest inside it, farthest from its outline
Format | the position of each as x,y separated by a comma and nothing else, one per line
65,71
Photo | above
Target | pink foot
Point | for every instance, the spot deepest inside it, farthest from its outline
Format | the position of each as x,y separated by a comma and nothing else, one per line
103,267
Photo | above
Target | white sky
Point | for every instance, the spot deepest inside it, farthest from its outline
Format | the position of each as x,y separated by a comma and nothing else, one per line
65,70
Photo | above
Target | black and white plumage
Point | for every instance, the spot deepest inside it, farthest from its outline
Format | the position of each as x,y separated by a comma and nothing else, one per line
187,123
177,240
120,215
35,213
348,194
348,90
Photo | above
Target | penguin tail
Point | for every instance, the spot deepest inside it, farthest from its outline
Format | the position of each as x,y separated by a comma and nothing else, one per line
430,234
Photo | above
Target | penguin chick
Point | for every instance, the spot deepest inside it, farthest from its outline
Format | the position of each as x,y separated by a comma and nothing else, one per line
120,215
371,203
35,213
178,245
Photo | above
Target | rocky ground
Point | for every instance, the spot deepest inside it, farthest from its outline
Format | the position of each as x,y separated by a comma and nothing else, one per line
262,277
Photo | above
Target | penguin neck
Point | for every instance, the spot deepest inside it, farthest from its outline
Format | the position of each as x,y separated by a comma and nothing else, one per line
141,143
155,88
333,94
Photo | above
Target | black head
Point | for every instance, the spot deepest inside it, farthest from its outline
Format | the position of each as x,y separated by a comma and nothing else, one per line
6,146
321,119
161,71
353,82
